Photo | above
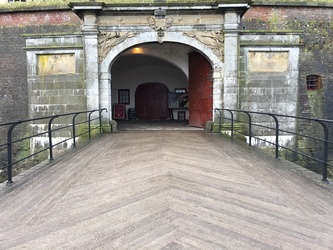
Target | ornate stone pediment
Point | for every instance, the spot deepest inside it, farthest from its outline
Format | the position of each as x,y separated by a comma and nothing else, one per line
212,39
107,40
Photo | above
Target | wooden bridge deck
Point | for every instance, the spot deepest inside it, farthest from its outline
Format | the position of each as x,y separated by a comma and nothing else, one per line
166,190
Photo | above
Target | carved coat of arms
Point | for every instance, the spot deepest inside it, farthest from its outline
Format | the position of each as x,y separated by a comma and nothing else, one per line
160,24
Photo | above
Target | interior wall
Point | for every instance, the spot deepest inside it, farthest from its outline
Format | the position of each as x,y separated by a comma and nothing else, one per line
173,53
129,71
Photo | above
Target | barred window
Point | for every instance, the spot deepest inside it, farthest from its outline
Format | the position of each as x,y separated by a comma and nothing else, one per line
12,1
313,82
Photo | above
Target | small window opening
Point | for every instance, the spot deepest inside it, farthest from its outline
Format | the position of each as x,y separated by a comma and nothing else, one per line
313,82
123,96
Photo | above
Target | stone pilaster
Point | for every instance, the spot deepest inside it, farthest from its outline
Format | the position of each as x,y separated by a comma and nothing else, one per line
231,57
217,88
90,41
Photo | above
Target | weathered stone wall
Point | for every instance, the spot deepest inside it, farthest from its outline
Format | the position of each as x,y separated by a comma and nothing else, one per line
13,59
14,91
55,74
269,77
316,25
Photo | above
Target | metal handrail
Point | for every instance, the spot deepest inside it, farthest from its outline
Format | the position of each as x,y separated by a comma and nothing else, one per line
323,122
49,133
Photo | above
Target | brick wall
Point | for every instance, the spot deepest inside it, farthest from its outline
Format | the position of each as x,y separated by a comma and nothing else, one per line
20,19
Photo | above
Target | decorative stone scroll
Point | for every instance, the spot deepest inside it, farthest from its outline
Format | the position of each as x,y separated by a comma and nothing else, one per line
108,40
212,39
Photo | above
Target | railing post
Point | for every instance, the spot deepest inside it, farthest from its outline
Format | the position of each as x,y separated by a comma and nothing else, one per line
323,124
276,136
89,123
100,119
232,123
50,136
74,131
250,127
220,119
9,153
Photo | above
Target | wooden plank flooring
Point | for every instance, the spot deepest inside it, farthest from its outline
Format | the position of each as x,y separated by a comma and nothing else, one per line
166,190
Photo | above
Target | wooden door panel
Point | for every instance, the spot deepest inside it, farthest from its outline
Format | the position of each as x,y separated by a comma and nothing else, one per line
200,90
141,103
151,101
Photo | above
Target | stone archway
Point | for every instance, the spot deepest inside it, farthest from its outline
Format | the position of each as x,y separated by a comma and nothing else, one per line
174,37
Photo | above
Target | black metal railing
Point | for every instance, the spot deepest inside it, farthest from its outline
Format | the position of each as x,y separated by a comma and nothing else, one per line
252,119
72,125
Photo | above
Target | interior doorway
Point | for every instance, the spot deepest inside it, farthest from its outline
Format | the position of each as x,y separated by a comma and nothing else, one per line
151,101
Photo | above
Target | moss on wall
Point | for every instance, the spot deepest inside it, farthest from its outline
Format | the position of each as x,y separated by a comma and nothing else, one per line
83,131
64,3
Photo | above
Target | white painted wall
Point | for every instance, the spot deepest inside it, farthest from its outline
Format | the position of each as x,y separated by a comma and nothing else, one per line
131,79
173,53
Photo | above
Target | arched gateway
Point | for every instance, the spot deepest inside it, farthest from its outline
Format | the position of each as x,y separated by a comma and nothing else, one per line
193,70
199,41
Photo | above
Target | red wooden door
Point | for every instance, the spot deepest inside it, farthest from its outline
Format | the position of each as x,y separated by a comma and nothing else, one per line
200,90
151,101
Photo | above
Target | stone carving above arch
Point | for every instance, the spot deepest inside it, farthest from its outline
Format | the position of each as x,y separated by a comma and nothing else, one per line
108,40
213,39
160,24
146,37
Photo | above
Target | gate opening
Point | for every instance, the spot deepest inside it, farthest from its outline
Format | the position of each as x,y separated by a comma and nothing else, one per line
166,81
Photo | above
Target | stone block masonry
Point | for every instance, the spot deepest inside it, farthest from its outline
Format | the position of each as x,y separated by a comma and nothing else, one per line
13,59
55,77
14,94
315,25
269,74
